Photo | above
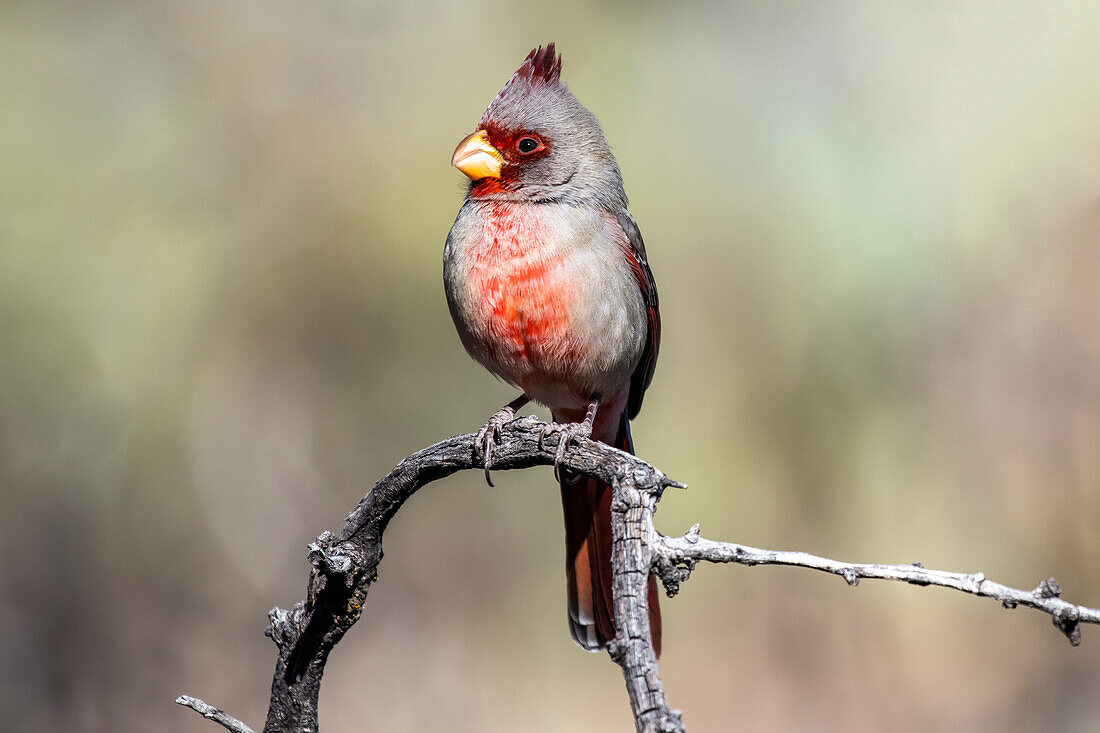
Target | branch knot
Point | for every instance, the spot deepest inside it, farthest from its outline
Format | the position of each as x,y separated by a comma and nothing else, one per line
1067,620
1049,588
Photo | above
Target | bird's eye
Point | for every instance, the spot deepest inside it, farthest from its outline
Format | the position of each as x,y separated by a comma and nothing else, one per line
527,145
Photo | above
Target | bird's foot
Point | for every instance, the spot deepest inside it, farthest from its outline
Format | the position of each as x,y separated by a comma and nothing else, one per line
568,434
486,440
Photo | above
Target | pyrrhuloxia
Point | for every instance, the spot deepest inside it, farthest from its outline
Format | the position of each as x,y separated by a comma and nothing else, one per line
548,284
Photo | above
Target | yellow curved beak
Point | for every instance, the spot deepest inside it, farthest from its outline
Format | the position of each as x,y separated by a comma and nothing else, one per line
475,157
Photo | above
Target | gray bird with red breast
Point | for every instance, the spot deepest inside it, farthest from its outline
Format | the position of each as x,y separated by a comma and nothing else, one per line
548,284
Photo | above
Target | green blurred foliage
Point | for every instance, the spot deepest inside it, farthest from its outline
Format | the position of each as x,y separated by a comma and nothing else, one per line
876,230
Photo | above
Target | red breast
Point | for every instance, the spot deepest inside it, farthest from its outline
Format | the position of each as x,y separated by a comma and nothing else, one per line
524,291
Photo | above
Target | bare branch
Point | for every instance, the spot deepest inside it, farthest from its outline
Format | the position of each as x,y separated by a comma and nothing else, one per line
633,541
345,566
677,557
212,713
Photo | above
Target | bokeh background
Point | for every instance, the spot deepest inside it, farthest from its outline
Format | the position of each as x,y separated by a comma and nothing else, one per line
876,232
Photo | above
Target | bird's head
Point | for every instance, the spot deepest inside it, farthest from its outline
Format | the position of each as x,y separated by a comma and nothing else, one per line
537,143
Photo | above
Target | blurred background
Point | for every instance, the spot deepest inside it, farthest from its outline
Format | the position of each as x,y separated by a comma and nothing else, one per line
876,232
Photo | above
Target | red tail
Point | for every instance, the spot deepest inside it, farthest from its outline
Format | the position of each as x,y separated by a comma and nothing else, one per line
587,506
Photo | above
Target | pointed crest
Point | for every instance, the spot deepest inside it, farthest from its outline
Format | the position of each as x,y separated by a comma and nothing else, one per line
541,67
540,71
542,64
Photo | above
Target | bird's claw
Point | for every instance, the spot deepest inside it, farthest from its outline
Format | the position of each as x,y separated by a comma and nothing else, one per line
568,433
486,439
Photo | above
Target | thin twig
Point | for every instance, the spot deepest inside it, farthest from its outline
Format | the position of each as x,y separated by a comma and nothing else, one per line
210,712
677,556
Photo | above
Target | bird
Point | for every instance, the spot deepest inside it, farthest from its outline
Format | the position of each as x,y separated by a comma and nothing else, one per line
548,284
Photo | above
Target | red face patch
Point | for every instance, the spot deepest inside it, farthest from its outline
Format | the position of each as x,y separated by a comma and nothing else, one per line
518,148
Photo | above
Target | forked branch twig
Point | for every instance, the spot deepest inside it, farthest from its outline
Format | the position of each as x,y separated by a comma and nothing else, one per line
345,566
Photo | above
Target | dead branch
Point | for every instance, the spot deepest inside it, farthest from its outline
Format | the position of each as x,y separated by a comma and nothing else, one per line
677,557
345,566
210,712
